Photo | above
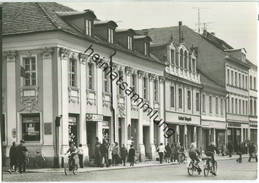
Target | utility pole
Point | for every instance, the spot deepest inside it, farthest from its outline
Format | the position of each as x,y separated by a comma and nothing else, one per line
199,19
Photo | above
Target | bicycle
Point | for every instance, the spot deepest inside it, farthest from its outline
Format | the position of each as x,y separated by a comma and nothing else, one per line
191,168
69,165
209,168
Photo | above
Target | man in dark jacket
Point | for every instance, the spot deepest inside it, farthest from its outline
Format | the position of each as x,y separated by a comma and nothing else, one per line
21,156
98,155
252,151
12,156
131,157
104,152
124,153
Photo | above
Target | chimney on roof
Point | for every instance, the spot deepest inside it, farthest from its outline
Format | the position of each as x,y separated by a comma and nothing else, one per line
180,32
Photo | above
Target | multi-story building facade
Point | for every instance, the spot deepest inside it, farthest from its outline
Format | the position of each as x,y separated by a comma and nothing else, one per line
182,86
49,72
213,114
253,102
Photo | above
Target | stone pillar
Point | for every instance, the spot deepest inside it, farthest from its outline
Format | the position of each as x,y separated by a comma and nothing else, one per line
210,136
140,114
214,135
115,106
11,121
162,111
177,133
82,122
195,135
242,134
185,136
64,59
128,72
47,115
99,98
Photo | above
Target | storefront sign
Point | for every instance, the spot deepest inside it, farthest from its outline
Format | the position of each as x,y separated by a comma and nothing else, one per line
94,117
184,118
234,124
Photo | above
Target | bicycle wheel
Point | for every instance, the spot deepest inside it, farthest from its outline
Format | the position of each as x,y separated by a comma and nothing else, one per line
206,171
75,170
190,169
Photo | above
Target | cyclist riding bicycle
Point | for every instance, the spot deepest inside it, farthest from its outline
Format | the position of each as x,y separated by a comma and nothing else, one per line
210,152
193,154
73,152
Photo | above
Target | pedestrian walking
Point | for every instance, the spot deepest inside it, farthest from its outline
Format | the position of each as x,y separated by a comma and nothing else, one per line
161,151
81,156
230,149
104,152
168,153
124,154
252,152
131,156
178,151
110,147
21,151
98,155
12,156
115,154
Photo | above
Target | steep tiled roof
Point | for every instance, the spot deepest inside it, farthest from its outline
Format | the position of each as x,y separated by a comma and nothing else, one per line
31,17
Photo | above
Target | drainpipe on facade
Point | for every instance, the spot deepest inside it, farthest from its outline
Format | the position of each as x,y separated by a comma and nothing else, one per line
112,108
1,109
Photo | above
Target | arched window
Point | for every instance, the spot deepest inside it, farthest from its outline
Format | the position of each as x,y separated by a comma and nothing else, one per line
185,59
181,58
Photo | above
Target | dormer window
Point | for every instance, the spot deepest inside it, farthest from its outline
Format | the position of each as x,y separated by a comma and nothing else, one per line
145,48
110,35
88,27
129,42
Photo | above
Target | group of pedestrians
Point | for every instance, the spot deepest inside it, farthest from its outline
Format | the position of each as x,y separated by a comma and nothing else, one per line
18,156
171,153
107,154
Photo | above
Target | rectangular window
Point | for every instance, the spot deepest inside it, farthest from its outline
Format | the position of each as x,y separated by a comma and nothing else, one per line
193,65
189,99
228,80
239,80
172,56
172,96
110,35
145,88
243,82
236,106
180,95
197,101
156,90
134,82
88,27
145,48
251,107
31,127
235,78
254,83
129,42
106,82
30,71
221,106
251,83
210,104
72,72
246,108
243,107
246,83
90,76
217,106
203,103
240,104
232,105
232,78
120,76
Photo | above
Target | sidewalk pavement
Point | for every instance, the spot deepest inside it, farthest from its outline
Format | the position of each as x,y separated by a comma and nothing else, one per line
138,165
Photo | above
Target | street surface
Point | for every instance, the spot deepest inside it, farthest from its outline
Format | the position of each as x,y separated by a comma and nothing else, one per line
227,170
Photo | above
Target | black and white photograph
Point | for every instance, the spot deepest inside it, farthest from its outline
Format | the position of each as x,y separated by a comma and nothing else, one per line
128,91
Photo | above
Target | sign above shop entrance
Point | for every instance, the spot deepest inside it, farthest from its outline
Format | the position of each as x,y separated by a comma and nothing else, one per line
94,117
184,118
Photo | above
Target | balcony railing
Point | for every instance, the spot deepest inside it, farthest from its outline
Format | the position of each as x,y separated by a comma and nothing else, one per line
183,73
